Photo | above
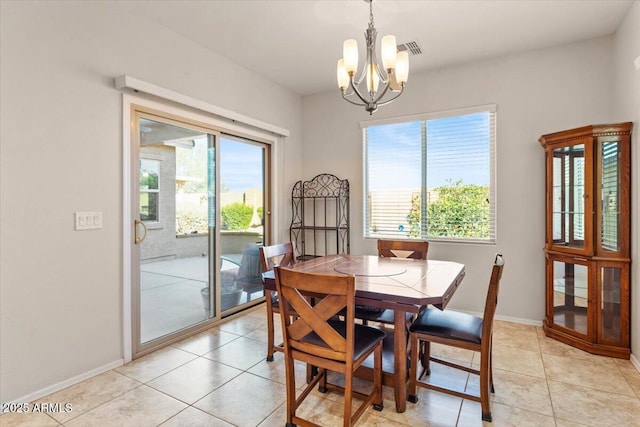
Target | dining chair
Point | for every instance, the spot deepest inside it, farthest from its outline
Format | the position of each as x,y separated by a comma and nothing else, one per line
460,330
248,277
319,339
284,255
415,249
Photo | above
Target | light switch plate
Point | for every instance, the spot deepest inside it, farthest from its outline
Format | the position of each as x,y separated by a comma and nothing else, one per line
88,220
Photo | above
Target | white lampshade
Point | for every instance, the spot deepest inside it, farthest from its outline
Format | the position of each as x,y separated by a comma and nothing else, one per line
350,55
389,52
372,78
343,76
402,67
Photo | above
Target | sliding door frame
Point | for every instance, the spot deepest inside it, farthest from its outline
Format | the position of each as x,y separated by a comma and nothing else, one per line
184,116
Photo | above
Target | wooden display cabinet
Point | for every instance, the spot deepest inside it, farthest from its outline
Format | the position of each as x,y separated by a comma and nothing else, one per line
588,206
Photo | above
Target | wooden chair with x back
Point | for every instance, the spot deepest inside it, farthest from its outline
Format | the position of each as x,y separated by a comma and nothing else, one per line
460,330
317,338
284,255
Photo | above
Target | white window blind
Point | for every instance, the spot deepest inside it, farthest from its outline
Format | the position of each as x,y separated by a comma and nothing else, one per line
431,177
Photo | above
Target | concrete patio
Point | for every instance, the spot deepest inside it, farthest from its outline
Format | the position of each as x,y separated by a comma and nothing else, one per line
170,297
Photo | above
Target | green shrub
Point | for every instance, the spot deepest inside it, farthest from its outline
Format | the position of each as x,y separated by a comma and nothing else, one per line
461,210
236,216
414,217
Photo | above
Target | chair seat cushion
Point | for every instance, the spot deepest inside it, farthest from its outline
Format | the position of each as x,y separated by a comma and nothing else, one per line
377,315
366,337
449,324
368,309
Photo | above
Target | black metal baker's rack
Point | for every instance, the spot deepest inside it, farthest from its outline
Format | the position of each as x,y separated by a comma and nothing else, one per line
320,220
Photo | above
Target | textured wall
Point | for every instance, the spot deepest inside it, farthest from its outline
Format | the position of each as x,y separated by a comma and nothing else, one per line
61,290
627,108
537,92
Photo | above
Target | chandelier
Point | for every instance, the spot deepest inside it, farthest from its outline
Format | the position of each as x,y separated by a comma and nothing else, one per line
374,81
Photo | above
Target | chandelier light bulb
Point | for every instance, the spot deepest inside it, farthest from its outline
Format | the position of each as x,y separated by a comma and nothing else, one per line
372,79
389,52
343,76
350,55
402,68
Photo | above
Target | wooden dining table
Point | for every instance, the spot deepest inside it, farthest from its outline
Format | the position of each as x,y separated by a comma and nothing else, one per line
401,284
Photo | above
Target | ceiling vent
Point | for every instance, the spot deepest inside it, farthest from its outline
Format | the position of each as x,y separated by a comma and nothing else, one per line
413,47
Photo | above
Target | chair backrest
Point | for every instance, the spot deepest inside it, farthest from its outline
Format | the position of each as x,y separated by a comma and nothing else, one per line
312,332
249,270
282,254
492,298
416,249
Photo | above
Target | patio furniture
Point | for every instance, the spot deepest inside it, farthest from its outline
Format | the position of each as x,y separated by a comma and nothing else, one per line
249,276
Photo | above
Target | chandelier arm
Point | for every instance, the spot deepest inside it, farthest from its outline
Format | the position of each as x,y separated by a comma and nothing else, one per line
379,97
391,99
347,92
357,92
383,78
363,71
344,96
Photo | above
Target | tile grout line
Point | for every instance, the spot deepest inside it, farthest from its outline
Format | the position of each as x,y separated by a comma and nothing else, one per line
540,351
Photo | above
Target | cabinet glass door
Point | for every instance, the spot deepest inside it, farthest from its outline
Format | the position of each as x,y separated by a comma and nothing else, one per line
612,278
608,171
568,192
570,296
610,304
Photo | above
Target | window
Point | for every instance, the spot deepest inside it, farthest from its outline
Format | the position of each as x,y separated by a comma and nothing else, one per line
431,176
149,190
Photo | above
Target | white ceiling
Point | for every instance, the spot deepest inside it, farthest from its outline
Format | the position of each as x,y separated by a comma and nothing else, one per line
296,43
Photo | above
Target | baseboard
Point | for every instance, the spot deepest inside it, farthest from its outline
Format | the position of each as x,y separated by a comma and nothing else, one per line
519,320
635,362
507,318
68,382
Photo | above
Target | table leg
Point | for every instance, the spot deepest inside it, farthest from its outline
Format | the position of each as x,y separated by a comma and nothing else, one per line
400,360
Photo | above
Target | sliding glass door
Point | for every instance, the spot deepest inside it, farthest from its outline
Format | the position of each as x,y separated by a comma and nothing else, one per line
198,202
242,195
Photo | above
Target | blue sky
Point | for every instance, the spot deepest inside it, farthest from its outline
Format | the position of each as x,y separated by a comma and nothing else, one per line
458,148
241,166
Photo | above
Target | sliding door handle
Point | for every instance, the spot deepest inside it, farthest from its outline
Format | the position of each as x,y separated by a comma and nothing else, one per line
137,237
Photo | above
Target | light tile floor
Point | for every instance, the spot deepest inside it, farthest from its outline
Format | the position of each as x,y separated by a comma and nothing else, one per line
220,378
